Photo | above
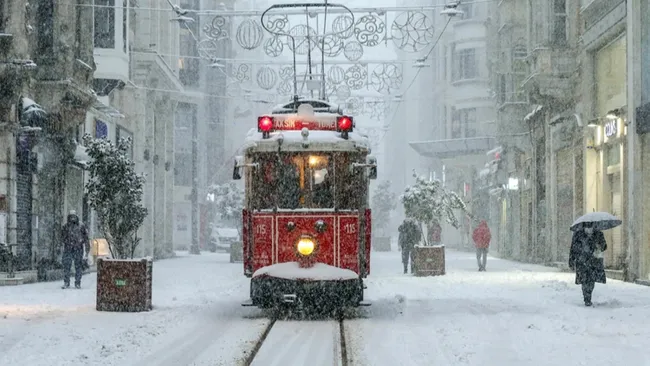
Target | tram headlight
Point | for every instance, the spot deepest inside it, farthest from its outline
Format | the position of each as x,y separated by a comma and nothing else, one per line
306,246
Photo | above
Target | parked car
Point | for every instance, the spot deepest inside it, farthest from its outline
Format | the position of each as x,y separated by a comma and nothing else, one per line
222,238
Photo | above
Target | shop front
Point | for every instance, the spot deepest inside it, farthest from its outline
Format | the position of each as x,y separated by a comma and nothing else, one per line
606,149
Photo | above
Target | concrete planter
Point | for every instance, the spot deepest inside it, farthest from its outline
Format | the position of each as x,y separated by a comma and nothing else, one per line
429,261
381,243
124,285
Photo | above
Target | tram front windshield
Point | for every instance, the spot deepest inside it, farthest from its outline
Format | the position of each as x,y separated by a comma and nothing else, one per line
306,180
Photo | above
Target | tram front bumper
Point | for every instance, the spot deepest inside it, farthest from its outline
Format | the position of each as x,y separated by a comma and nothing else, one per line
269,291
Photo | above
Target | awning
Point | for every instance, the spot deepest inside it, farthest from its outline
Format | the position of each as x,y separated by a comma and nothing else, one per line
106,109
445,149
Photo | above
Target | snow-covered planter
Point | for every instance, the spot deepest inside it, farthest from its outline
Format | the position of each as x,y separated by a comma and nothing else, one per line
429,260
428,201
115,194
124,285
383,203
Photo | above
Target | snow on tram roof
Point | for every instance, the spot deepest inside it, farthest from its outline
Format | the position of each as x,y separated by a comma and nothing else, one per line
318,140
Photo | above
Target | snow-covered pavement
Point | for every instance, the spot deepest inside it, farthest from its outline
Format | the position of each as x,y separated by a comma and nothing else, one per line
514,314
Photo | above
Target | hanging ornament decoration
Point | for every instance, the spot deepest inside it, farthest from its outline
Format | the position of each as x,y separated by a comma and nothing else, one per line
353,50
354,106
343,92
386,78
266,78
304,37
286,73
249,34
273,46
369,30
335,75
285,87
412,31
331,45
217,29
356,76
342,26
242,73
277,23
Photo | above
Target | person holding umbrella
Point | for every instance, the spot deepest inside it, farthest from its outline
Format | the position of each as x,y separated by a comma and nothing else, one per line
587,245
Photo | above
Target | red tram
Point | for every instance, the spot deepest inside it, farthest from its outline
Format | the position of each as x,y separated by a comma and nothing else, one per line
306,221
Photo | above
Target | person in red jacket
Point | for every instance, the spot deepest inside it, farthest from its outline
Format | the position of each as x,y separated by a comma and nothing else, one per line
482,237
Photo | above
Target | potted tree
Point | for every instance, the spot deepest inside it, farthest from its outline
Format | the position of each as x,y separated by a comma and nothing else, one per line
115,194
229,205
428,201
383,203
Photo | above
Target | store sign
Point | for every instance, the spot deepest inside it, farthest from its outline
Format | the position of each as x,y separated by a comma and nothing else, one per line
611,128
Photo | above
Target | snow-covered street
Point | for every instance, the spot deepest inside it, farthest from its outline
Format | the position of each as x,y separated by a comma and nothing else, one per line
513,314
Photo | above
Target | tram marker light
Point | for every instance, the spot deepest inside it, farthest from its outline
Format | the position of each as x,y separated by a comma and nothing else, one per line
264,125
344,124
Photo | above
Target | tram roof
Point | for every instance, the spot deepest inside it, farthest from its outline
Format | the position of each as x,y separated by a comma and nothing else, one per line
317,141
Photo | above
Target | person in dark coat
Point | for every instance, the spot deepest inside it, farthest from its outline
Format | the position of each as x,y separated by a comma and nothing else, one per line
409,236
75,240
586,259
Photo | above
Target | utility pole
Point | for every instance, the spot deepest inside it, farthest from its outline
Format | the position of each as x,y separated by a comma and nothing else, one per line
194,248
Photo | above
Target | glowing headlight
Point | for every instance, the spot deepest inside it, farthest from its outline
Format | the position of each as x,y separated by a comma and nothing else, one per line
306,246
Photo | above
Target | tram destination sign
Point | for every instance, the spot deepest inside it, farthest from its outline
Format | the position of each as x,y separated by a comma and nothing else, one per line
298,123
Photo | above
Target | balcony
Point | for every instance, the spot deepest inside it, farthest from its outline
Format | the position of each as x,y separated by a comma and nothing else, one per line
551,72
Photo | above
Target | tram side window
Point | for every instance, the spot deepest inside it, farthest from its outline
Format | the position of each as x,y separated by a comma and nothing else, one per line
289,185
321,181
348,184
263,183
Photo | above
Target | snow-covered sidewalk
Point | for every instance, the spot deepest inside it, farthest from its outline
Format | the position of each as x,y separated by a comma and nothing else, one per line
514,314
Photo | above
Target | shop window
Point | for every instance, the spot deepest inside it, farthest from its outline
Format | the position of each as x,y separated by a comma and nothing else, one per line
613,155
104,18
559,35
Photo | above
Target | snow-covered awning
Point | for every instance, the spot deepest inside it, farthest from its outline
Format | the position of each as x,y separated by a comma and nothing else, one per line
454,147
106,109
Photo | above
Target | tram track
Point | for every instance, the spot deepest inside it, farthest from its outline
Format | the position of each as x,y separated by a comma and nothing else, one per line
284,341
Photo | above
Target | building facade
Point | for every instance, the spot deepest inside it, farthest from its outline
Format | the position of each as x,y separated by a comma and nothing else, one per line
456,145
583,108
47,69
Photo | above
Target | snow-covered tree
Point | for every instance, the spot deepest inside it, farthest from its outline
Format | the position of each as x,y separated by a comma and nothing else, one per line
229,202
383,203
428,201
115,193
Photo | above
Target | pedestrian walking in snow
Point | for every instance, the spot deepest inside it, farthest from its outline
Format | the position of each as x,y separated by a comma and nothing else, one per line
482,237
409,236
75,240
586,259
